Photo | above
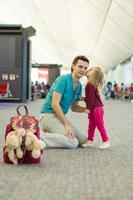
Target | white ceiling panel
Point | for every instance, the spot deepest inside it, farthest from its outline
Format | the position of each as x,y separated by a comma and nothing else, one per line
100,29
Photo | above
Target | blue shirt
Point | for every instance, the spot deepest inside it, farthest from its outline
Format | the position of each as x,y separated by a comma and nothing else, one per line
64,85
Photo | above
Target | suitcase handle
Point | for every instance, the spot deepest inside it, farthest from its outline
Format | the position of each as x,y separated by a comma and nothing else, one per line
25,107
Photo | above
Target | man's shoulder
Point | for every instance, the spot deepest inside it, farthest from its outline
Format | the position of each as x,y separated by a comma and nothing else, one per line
63,77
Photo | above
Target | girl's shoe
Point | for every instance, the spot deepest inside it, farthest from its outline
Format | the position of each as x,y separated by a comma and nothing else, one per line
87,144
105,145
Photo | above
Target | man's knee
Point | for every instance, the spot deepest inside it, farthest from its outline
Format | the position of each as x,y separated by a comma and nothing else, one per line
73,143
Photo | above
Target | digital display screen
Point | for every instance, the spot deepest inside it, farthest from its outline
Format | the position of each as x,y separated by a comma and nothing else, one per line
7,51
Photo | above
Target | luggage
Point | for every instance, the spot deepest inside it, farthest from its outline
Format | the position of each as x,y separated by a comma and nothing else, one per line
30,124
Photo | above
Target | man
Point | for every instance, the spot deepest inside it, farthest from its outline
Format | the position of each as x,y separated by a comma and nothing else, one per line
64,94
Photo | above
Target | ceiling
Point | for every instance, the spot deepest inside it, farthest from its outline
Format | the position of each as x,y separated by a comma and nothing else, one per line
100,29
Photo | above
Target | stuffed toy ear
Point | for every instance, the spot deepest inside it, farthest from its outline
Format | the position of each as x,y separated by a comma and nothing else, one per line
12,157
28,141
19,153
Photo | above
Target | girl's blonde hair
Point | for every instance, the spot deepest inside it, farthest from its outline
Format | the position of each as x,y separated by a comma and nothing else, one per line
97,77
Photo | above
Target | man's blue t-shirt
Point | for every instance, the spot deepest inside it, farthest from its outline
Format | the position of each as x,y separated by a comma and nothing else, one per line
63,85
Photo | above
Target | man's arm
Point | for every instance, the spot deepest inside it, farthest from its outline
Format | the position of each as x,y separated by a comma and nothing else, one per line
60,115
77,108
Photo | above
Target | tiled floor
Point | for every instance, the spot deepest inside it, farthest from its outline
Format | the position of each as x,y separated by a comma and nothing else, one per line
81,174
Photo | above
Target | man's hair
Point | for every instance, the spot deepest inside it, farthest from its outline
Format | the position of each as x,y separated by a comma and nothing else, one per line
81,57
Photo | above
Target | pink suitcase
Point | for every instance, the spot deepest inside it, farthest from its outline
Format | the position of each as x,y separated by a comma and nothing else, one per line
30,121
28,159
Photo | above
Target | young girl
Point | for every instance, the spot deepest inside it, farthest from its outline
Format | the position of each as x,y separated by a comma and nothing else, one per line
95,105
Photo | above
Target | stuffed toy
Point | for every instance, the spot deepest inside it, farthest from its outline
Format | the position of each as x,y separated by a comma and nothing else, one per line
13,144
34,145
16,140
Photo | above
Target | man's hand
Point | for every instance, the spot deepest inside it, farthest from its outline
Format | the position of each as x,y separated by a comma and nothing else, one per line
70,131
87,111
82,98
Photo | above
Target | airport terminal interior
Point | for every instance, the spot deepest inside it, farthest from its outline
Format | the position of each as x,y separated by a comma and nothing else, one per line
38,41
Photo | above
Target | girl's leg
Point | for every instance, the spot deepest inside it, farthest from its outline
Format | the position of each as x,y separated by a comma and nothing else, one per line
98,115
91,129
91,126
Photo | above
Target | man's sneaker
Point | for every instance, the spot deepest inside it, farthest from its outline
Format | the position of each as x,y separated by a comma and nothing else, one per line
87,144
105,145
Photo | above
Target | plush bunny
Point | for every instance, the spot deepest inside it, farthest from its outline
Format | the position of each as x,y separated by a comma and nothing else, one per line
13,144
34,145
